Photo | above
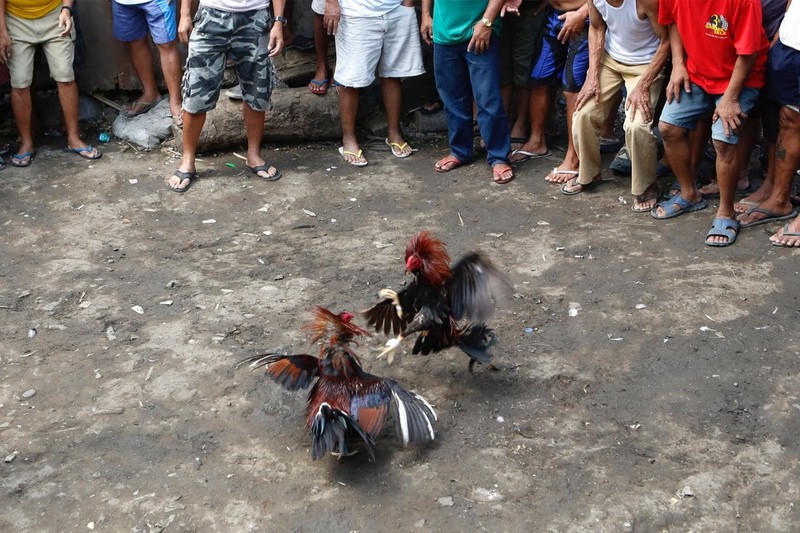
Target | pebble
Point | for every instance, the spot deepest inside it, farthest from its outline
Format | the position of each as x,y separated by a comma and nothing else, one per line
173,283
30,393
446,501
278,277
10,457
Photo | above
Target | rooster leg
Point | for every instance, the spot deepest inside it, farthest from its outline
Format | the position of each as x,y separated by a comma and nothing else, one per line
391,344
389,294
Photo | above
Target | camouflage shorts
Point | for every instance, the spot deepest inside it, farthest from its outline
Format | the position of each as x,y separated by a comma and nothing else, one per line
217,35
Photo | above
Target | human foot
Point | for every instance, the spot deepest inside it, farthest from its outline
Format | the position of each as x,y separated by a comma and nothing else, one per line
180,181
448,163
559,175
502,173
645,202
788,236
764,214
573,186
711,189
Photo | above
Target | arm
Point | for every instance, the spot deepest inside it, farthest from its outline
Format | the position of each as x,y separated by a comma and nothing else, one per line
185,21
426,22
573,22
331,17
481,33
728,109
597,42
276,33
5,40
680,76
640,96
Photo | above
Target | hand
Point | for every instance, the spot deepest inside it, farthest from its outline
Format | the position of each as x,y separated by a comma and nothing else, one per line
185,29
590,89
5,47
730,113
639,98
275,40
331,18
510,6
679,79
65,22
426,29
481,38
573,25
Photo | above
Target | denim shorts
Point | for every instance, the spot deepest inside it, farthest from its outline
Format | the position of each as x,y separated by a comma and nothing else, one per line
698,103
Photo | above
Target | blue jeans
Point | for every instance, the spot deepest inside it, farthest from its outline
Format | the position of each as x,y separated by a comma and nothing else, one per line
460,77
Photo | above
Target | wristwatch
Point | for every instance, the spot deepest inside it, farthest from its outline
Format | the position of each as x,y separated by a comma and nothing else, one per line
487,23
282,20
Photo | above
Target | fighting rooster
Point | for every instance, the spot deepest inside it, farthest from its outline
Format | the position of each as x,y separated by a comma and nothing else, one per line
345,402
439,299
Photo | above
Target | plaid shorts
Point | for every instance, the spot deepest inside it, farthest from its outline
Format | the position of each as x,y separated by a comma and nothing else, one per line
244,37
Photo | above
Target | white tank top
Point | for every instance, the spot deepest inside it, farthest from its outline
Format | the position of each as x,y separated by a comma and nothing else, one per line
629,39
790,27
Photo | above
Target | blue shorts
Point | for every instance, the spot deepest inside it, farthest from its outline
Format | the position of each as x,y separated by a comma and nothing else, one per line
783,75
566,63
698,104
132,22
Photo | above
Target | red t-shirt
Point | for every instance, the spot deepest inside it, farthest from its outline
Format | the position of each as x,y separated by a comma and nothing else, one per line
714,33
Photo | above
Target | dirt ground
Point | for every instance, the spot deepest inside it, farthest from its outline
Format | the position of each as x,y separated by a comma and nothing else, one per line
669,403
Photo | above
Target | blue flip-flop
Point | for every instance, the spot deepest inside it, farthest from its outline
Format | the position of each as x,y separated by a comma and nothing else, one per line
723,227
85,150
676,206
20,157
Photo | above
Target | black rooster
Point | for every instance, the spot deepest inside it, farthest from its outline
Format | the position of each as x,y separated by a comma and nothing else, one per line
439,299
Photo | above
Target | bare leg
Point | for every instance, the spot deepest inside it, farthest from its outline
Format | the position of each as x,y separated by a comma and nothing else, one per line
348,109
538,104
678,152
143,64
192,127
171,67
254,124
23,112
322,71
391,90
68,98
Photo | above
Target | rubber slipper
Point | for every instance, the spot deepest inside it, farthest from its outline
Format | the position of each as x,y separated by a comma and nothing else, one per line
85,152
497,173
723,227
359,155
771,216
397,149
448,163
715,194
191,176
565,187
677,206
319,87
640,199
787,233
20,157
265,168
526,156
556,171
143,107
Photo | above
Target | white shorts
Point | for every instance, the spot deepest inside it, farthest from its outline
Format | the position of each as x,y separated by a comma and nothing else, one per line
387,45
318,6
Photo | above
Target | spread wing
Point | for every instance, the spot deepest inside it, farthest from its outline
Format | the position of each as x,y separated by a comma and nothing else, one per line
290,371
370,405
475,287
413,415
393,311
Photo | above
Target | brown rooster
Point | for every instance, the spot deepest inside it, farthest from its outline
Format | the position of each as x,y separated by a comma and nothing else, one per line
345,402
439,299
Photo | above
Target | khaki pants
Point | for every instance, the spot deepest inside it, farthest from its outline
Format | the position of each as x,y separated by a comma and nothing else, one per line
639,138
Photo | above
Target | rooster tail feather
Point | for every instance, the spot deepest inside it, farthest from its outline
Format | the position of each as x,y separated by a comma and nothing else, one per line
414,416
292,372
330,429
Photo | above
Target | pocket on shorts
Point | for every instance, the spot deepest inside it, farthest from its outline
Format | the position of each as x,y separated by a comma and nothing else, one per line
200,12
262,21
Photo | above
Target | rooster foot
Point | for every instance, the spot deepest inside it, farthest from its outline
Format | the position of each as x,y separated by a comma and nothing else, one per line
389,294
391,344
342,456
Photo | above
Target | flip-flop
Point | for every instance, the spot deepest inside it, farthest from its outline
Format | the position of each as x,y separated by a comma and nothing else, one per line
358,155
640,199
397,149
322,86
527,155
723,227
448,163
265,168
191,176
20,157
739,192
556,171
497,173
787,233
85,152
748,205
771,216
565,187
143,107
677,206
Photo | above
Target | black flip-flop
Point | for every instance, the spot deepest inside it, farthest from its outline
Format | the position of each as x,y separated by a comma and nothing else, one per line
265,168
191,176
584,186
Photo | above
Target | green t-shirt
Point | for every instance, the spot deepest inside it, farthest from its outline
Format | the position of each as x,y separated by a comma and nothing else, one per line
453,20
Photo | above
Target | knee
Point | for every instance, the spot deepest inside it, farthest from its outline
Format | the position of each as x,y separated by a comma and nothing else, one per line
671,133
167,48
725,152
788,119
637,128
